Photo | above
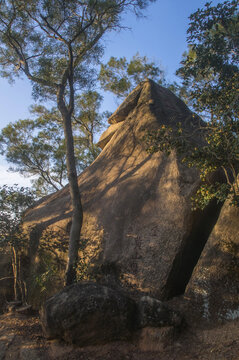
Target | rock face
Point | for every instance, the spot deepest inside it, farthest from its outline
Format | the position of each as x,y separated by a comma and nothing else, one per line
90,313
138,222
214,285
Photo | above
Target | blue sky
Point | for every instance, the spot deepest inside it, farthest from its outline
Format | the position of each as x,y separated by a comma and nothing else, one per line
161,36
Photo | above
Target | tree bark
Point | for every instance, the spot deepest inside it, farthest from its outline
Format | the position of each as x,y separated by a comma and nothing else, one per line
77,212
15,272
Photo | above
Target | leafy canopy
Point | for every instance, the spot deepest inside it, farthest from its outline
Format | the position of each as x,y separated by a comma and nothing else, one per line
120,76
47,39
36,147
13,202
210,67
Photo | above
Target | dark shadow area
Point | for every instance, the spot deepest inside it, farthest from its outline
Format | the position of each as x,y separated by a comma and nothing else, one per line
192,247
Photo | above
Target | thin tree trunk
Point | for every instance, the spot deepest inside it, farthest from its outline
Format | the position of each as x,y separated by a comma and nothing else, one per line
14,270
91,140
77,212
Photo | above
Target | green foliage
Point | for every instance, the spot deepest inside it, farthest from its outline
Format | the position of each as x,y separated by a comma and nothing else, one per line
87,122
37,146
13,240
47,273
38,38
44,280
120,76
210,67
13,202
83,266
166,139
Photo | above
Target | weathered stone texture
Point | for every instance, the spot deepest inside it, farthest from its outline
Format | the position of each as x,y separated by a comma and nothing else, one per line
214,284
154,313
88,314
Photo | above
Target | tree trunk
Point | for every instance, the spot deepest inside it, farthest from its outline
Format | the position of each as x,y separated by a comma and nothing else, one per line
91,141
15,272
77,212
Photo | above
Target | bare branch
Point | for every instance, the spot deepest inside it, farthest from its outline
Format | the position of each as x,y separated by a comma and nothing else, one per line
56,35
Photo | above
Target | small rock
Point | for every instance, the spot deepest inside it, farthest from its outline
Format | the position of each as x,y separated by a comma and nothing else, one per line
153,312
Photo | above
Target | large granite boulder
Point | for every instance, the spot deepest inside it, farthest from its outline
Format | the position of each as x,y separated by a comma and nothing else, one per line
138,221
214,285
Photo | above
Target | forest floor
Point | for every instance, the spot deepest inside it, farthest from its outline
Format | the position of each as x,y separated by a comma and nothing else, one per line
21,337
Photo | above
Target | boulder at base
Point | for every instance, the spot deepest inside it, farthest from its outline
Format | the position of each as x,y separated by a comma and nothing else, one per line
138,221
214,285
89,313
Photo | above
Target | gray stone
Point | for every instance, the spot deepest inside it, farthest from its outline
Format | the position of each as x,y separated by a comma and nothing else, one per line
154,313
87,314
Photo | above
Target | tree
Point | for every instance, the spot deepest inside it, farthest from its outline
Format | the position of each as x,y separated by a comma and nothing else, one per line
13,202
49,41
120,76
211,74
88,121
210,67
37,146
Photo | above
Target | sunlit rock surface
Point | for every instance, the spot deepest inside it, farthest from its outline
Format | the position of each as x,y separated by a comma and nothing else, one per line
138,230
